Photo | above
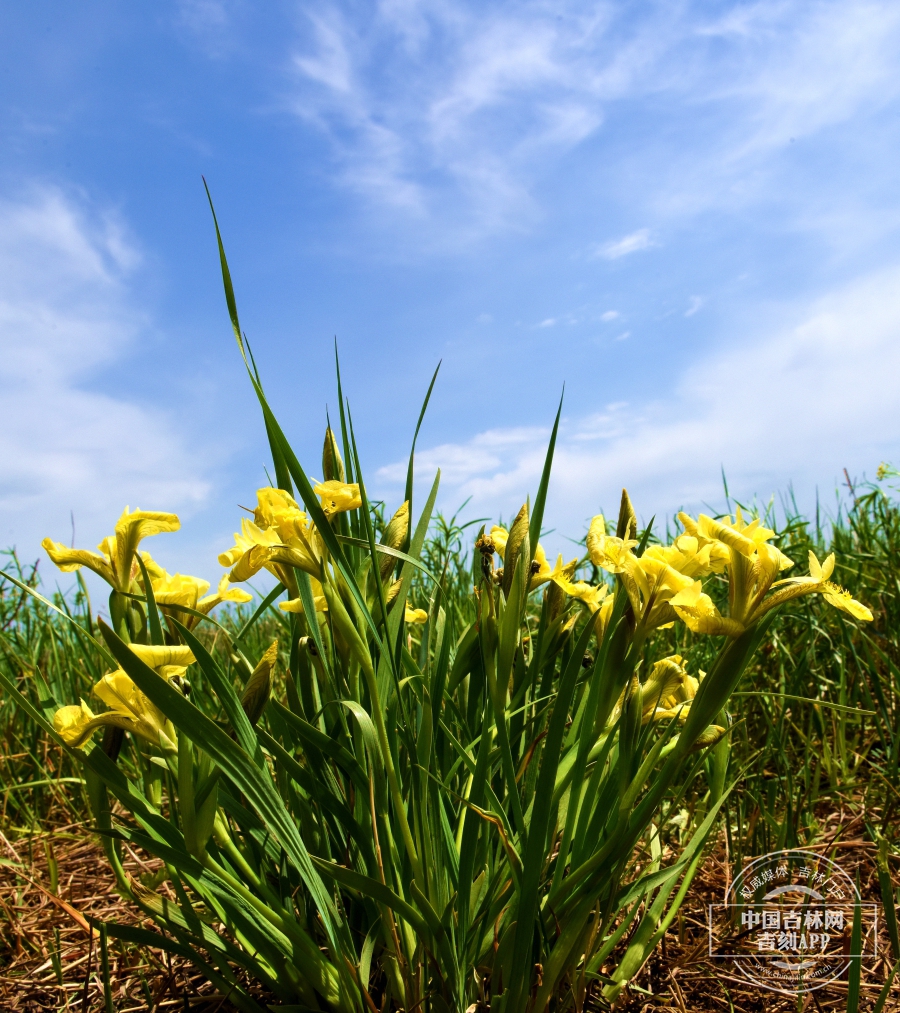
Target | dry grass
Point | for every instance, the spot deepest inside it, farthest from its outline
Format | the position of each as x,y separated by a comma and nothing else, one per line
681,977
40,923
50,955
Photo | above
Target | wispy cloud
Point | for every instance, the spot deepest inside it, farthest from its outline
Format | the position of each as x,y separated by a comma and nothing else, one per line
478,463
449,102
456,110
792,406
634,242
66,315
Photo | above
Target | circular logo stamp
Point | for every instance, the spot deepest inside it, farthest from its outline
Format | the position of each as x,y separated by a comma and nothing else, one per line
787,919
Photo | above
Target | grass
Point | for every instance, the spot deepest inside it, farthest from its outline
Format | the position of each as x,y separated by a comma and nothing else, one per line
450,786
815,731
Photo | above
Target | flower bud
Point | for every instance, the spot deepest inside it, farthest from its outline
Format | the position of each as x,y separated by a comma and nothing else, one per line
627,526
259,685
556,600
517,534
332,465
394,537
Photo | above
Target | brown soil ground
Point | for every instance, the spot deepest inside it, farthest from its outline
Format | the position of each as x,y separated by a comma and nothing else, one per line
50,956
39,923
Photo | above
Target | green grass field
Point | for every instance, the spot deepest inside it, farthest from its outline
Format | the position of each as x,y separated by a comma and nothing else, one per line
431,770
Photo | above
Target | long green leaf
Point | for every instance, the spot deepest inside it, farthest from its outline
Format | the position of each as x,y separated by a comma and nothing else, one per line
535,850
225,692
153,623
540,501
412,454
263,605
374,889
239,767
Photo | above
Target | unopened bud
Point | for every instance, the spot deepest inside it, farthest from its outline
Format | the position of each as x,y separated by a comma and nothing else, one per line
259,685
332,465
556,600
395,535
517,535
627,526
708,737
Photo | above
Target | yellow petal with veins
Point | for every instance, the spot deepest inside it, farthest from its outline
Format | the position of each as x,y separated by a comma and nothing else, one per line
70,723
337,497
697,611
272,503
296,604
129,708
236,595
591,596
844,601
499,536
820,571
73,559
156,656
606,551
131,528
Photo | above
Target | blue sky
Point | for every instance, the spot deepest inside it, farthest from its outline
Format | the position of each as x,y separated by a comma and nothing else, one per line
686,212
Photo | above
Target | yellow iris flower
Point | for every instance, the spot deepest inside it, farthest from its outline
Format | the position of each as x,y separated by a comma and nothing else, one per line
541,571
650,580
175,589
499,536
296,604
115,562
607,551
651,585
129,709
337,497
752,568
817,582
167,660
665,582
698,612
593,597
597,600
667,694
274,506
668,691
690,557
279,537
72,723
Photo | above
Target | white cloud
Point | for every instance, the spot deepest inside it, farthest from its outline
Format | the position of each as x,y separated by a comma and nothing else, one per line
695,305
610,315
830,60
432,107
634,242
66,313
789,407
454,111
482,459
